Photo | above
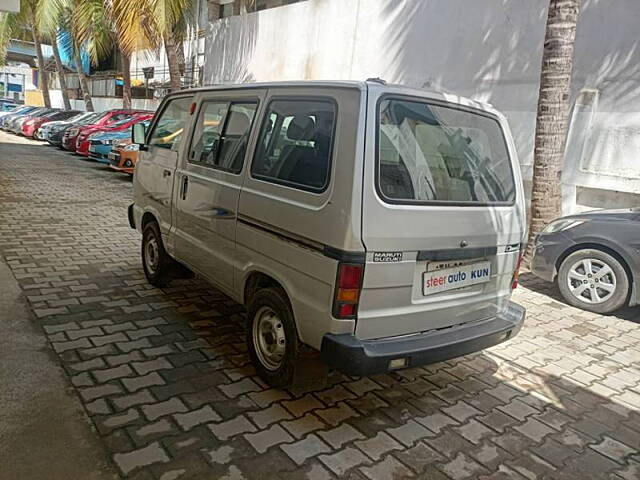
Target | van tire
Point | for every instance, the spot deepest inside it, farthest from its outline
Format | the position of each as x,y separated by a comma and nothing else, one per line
269,311
157,263
574,265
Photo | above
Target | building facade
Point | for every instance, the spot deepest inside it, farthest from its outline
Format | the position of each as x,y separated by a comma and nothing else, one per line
488,50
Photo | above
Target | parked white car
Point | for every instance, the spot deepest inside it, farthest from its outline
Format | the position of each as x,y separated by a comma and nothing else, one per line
380,225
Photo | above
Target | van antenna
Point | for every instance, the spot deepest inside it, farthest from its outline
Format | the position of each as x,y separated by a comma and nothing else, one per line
377,80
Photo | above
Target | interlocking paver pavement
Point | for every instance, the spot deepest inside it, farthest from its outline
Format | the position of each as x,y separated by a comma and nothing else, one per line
166,380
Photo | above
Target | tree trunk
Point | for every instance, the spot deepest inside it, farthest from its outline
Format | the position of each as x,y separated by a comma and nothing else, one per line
61,75
553,114
241,7
126,80
173,61
44,81
82,80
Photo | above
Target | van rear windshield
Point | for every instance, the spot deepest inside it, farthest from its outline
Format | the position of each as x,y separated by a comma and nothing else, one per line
430,153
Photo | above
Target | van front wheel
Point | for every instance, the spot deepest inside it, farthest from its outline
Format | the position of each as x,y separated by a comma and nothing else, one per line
272,338
157,263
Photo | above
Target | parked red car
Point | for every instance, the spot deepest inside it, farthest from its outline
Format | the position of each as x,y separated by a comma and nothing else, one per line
105,118
30,126
83,143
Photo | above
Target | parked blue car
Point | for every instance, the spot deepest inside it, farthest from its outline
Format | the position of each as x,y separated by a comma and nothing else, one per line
7,106
102,142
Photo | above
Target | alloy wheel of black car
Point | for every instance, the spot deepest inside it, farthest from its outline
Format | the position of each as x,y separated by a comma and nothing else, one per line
593,280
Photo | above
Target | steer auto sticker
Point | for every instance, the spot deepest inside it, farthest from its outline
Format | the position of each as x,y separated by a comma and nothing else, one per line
451,278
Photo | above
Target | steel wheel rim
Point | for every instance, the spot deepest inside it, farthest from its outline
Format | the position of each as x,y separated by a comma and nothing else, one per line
269,338
592,280
152,256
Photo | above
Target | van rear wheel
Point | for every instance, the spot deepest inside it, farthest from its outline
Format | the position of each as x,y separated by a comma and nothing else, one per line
272,338
157,263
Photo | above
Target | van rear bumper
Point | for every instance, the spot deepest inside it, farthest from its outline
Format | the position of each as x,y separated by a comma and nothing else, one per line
346,353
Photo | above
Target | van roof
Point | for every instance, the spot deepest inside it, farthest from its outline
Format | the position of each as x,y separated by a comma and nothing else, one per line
372,85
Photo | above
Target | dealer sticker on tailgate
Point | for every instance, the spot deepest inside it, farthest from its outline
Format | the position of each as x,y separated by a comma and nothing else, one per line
456,277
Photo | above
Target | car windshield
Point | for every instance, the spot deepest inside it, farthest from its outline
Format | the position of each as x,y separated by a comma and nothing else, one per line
120,123
36,112
433,153
79,117
20,110
96,117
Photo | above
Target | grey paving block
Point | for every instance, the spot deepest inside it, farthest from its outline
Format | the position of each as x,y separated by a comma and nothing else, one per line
142,457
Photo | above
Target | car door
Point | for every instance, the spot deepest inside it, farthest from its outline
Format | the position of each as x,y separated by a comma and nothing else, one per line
210,179
157,162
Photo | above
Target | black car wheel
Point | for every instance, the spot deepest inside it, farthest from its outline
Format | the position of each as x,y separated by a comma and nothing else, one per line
593,280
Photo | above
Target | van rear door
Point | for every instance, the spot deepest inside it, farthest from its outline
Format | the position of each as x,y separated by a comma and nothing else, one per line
443,216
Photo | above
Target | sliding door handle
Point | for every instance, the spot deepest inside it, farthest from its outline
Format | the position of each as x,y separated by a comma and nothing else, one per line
185,185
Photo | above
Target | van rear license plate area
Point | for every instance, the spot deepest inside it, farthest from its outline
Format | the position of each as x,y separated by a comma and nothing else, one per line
460,276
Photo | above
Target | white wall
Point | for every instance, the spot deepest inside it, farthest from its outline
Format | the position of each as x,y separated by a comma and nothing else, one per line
484,49
150,58
102,103
12,6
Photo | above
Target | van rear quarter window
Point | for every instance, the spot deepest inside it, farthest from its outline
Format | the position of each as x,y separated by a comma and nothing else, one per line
295,143
430,153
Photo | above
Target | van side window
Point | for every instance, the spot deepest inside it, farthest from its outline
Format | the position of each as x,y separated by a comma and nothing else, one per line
221,135
169,129
295,144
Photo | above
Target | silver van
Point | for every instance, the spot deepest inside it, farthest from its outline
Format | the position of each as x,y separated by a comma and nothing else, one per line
379,225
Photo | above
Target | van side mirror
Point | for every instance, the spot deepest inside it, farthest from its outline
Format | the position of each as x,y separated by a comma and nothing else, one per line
138,135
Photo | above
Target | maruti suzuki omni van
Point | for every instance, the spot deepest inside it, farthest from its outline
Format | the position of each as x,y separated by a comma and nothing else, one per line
377,224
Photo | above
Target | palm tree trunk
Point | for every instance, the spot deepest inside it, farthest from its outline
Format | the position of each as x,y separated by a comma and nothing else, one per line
126,80
44,80
82,80
173,62
553,114
61,75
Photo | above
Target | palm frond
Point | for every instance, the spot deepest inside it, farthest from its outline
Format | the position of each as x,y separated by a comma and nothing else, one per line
5,36
134,24
173,17
91,27
10,25
53,15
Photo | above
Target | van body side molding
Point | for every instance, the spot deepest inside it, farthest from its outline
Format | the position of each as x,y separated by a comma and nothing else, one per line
326,250
343,255
456,253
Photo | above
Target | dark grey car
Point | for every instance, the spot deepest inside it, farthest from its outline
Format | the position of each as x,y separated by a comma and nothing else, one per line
594,257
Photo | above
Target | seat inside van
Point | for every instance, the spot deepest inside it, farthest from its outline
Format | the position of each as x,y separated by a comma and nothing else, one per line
305,161
297,148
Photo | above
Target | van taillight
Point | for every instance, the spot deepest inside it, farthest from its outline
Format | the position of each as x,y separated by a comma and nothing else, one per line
516,274
347,294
